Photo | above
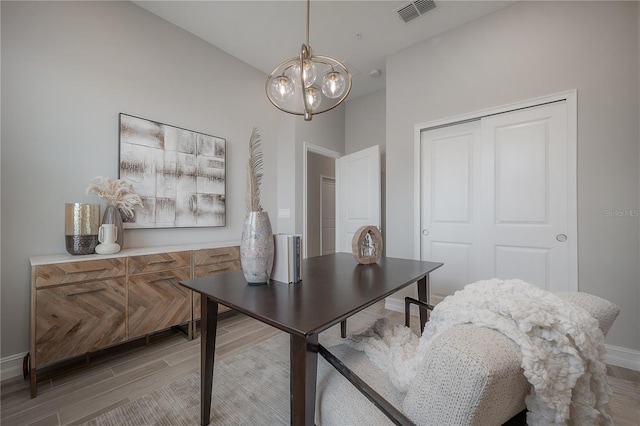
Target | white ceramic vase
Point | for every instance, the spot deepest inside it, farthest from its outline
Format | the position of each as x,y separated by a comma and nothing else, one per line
112,215
107,235
256,248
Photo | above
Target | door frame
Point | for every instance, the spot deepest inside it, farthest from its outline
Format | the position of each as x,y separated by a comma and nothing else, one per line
571,98
306,149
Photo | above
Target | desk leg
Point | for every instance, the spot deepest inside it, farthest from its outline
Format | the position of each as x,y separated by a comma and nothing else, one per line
208,325
304,367
423,296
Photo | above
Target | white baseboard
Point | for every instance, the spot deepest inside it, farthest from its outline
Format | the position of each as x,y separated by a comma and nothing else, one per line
623,357
11,366
618,356
397,305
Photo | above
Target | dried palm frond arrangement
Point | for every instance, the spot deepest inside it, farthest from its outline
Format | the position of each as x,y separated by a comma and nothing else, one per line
254,173
116,193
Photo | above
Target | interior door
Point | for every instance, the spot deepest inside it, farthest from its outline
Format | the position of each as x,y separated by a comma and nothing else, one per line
495,200
359,200
327,215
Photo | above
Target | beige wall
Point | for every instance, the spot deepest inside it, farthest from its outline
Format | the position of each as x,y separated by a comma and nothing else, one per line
524,51
324,131
365,123
68,69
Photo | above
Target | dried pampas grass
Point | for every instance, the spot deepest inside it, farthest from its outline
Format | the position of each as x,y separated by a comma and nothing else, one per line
116,193
254,173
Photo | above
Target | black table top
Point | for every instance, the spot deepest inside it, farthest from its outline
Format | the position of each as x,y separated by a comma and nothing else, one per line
333,287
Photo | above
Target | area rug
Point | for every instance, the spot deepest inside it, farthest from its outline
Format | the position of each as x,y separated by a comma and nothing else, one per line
249,388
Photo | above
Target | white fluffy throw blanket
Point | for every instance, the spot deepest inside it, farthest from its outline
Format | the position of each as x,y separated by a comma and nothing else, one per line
562,347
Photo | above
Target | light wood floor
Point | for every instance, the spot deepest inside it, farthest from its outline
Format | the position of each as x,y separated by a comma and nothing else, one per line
80,393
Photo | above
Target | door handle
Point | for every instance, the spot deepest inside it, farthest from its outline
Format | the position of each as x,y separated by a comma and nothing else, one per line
561,237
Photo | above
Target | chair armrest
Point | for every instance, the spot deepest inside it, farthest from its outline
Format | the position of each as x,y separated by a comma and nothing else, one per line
601,309
470,376
408,301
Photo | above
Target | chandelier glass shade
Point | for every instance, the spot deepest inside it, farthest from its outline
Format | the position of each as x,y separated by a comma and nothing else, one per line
308,84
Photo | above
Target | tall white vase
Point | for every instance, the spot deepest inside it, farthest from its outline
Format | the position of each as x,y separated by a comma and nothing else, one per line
256,248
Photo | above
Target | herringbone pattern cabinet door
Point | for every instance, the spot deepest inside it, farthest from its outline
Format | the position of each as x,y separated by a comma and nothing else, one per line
72,272
75,319
210,262
159,262
215,255
157,301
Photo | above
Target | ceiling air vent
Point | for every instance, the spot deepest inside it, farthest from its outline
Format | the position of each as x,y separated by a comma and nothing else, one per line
414,9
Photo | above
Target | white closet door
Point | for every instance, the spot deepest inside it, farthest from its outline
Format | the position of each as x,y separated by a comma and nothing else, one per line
525,175
496,197
450,188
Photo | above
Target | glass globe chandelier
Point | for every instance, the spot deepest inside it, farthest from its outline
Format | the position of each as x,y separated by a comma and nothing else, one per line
308,84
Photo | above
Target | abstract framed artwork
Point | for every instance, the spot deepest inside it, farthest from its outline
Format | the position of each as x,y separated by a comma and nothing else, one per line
179,174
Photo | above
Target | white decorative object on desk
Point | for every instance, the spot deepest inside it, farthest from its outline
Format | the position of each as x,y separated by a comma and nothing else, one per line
366,245
107,235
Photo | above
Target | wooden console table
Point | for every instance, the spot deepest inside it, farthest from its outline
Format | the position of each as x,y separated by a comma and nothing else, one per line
80,304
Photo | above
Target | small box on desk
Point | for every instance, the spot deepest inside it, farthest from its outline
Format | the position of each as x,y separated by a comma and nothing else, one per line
287,258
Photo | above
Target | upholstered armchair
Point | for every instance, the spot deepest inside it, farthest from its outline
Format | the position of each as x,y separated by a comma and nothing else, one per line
471,375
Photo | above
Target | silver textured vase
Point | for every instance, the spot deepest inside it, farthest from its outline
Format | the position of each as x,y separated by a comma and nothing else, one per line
82,222
256,248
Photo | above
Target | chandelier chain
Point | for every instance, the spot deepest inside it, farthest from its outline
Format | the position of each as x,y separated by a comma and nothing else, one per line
308,19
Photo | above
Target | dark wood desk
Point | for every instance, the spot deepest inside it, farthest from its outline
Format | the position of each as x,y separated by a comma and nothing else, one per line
333,288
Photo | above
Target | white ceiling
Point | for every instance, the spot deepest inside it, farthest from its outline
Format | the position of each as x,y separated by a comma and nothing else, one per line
360,33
